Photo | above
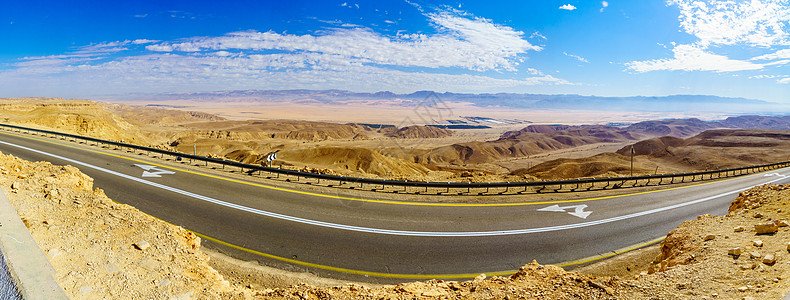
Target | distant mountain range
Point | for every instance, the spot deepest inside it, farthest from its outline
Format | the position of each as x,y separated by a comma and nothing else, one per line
673,103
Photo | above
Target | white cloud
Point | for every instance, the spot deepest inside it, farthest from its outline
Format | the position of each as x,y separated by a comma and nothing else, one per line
537,34
568,7
159,48
469,43
579,58
778,62
604,5
532,71
107,47
716,23
781,54
350,58
189,72
693,58
784,80
222,53
144,41
760,23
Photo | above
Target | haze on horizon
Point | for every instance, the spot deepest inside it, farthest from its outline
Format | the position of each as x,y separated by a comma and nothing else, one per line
605,48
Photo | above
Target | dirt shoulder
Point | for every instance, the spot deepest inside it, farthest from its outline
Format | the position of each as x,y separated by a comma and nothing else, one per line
102,249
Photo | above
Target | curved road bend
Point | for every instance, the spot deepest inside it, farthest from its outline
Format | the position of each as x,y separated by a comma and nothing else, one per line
347,237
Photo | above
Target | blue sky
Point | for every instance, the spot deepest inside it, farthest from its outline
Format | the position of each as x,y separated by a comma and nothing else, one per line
605,48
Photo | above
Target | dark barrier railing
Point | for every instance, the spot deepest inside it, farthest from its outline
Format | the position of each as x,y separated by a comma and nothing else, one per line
568,184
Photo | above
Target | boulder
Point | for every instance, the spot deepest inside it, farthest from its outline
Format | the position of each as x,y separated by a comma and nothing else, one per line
142,245
769,259
766,228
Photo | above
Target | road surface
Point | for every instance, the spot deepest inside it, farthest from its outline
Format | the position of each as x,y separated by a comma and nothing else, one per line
380,239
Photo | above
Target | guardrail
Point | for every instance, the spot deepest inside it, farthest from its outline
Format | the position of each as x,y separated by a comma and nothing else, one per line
580,184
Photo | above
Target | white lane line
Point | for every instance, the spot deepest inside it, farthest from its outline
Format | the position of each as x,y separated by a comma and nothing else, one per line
388,231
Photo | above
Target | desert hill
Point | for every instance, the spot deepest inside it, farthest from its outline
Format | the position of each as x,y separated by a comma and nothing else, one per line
528,141
81,117
142,115
690,127
284,129
710,150
673,127
416,132
757,122
737,148
305,145
601,165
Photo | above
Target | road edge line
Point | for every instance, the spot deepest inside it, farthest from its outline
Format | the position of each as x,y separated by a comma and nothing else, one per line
626,249
421,276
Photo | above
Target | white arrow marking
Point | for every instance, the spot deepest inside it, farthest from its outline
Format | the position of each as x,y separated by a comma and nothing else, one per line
577,212
152,171
775,174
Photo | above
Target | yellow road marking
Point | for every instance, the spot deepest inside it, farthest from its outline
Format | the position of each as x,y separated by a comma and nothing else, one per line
423,276
607,255
373,200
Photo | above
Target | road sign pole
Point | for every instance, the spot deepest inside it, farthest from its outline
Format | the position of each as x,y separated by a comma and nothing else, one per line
632,161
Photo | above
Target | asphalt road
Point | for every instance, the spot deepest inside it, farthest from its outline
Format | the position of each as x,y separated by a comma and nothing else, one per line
342,236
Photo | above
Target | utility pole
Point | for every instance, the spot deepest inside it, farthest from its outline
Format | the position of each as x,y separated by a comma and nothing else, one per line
632,161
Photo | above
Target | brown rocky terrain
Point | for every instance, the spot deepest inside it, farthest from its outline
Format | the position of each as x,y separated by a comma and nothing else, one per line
417,132
71,116
674,127
102,249
710,150
534,152
531,140
304,145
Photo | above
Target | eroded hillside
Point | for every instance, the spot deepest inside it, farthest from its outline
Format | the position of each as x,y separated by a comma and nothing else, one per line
710,150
